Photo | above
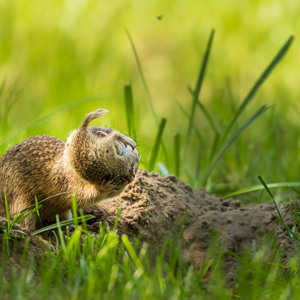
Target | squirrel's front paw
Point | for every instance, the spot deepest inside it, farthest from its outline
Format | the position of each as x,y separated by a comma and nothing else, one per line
127,141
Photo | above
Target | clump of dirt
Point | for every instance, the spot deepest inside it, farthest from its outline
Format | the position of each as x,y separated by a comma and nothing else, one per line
154,207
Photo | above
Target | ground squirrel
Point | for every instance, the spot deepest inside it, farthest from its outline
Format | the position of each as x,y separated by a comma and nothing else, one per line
94,164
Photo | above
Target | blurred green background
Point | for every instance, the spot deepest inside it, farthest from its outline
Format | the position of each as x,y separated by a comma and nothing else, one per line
62,59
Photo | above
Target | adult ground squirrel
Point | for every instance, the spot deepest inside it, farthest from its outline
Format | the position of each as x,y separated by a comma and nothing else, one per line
94,164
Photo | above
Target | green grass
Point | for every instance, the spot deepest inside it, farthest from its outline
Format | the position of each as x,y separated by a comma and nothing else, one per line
107,266
58,66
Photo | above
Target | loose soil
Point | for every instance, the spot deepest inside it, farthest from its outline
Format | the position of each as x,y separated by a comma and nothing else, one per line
155,207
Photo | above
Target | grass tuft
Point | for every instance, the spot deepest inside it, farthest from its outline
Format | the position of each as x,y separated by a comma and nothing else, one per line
156,146
258,84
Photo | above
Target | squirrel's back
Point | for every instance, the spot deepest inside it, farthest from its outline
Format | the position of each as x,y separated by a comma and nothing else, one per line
31,157
26,163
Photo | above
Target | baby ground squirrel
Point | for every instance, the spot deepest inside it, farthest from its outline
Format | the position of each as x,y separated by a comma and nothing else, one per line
94,164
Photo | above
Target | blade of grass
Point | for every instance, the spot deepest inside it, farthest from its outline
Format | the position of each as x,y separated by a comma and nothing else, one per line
232,139
46,199
205,113
37,206
118,216
208,117
198,163
280,218
271,195
2,87
256,188
25,213
74,211
84,225
6,234
199,136
61,235
257,85
197,89
63,223
128,96
177,148
7,215
215,145
137,59
132,253
138,62
157,142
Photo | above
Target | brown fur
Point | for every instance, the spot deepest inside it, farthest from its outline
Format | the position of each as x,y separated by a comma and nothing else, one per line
95,163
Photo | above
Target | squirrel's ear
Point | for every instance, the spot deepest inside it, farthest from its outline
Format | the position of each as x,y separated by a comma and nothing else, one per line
92,116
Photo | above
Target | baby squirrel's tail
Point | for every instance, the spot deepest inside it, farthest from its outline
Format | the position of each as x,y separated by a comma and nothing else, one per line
92,116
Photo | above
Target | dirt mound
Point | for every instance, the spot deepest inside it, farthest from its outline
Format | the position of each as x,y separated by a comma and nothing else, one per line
155,207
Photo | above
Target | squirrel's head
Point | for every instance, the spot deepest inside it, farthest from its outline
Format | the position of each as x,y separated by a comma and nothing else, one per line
102,155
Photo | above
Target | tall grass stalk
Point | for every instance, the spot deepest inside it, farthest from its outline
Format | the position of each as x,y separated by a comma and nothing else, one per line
167,163
128,96
256,188
177,148
196,130
223,139
257,85
232,140
280,218
137,59
197,89
157,142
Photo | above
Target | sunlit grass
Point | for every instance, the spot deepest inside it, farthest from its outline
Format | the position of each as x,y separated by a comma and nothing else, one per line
108,266
61,60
